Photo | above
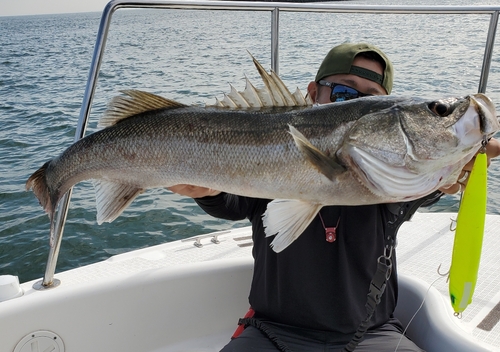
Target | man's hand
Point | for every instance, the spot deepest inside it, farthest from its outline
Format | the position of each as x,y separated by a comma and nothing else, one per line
193,191
492,151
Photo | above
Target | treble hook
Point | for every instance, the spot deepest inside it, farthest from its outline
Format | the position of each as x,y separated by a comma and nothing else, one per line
484,142
453,224
443,274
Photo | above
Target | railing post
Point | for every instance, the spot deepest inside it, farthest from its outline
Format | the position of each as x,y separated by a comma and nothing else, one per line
62,209
488,52
275,15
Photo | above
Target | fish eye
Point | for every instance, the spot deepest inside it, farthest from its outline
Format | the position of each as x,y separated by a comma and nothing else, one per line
440,108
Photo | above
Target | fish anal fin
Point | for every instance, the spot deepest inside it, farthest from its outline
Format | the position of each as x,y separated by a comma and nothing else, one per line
322,162
113,198
287,219
134,103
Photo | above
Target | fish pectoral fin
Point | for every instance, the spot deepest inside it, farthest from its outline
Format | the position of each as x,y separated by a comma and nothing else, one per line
136,102
112,198
322,162
287,219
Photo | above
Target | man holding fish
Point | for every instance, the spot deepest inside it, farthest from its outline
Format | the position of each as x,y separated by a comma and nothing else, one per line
339,179
311,296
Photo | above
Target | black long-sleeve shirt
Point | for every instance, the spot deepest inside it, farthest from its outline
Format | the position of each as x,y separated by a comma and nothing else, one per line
315,284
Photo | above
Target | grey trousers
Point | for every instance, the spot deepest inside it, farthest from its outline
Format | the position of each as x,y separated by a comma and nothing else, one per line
385,339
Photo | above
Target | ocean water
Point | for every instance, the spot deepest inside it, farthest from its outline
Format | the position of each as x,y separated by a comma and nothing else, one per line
189,56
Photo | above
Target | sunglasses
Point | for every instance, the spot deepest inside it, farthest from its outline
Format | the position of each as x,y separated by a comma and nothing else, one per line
341,92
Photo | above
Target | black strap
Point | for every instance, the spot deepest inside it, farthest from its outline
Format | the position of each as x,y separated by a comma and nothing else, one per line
402,212
368,74
256,323
377,288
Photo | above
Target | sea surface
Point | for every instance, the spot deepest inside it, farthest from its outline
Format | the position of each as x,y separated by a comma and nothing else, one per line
189,56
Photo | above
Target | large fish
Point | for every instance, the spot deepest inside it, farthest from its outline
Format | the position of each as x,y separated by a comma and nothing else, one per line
365,151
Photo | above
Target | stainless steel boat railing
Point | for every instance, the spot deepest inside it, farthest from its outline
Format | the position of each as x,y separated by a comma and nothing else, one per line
274,8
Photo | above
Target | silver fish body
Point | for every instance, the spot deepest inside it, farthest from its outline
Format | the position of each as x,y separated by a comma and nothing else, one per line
247,152
365,151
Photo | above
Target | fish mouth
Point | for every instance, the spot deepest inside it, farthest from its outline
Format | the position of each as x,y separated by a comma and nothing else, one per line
478,121
488,120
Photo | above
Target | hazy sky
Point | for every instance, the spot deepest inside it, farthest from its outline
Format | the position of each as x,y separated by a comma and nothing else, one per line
32,7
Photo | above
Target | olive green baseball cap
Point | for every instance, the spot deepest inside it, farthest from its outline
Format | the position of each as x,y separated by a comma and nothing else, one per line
339,61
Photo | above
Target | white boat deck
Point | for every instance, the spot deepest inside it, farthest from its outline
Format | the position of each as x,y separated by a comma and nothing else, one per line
426,242
178,297
236,243
424,245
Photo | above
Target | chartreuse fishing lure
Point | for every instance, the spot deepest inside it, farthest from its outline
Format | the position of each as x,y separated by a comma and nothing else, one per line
469,236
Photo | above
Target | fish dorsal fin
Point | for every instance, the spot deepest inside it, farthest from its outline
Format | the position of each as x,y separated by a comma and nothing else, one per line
258,96
279,93
136,102
325,164
274,93
113,198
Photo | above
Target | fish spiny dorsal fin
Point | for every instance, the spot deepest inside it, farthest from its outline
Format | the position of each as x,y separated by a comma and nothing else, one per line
272,85
258,97
253,96
122,107
302,100
235,99
274,93
218,104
